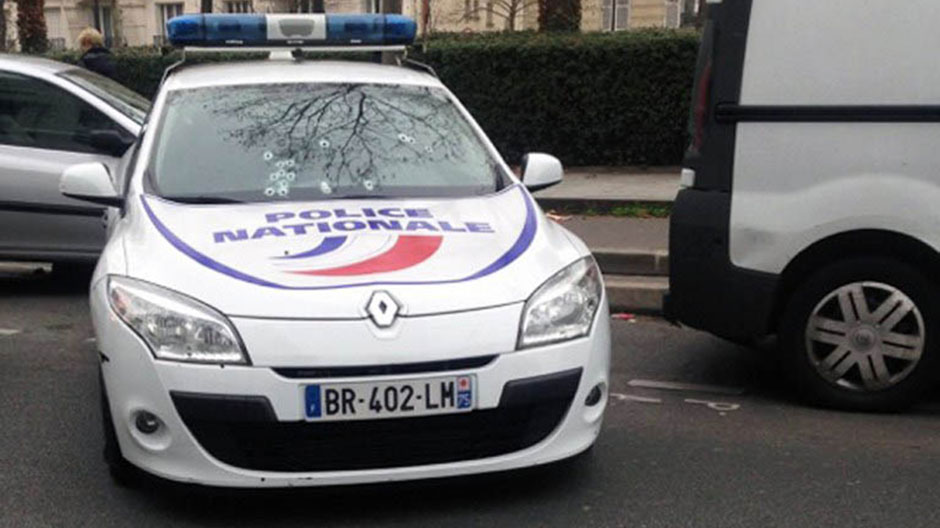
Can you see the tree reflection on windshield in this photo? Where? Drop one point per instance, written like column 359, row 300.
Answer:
column 338, row 139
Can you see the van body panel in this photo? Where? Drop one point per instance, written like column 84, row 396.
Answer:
column 798, row 183
column 822, row 118
column 842, row 52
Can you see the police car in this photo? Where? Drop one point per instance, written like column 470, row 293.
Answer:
column 324, row 273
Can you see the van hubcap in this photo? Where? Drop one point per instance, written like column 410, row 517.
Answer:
column 865, row 336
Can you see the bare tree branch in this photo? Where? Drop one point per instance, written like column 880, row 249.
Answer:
column 507, row 10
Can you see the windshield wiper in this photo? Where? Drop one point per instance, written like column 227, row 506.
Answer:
column 361, row 196
column 203, row 199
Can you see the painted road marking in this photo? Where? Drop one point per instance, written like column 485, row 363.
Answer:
column 8, row 331
column 631, row 397
column 690, row 387
column 721, row 407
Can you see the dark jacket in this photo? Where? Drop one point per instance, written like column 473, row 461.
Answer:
column 99, row 61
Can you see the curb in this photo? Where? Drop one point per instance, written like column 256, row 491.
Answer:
column 636, row 294
column 584, row 204
column 616, row 261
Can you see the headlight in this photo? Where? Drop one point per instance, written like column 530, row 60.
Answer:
column 174, row 326
column 564, row 307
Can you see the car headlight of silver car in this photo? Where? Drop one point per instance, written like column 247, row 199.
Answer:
column 563, row 307
column 175, row 327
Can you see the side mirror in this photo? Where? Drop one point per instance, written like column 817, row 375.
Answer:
column 110, row 141
column 541, row 171
column 90, row 182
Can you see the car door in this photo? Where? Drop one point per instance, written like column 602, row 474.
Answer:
column 43, row 130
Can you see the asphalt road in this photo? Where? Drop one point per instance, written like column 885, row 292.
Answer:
column 751, row 458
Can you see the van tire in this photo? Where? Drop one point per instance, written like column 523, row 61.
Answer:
column 873, row 360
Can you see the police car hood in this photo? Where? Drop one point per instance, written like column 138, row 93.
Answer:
column 326, row 259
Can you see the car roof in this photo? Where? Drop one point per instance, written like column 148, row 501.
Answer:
column 274, row 71
column 36, row 65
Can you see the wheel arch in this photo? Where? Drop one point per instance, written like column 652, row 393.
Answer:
column 860, row 243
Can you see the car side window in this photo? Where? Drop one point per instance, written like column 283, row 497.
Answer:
column 37, row 114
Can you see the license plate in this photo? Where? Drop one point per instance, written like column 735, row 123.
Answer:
column 393, row 399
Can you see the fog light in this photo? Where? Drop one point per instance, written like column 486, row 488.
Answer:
column 146, row 422
column 594, row 396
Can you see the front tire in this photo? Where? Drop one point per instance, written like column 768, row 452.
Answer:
column 860, row 335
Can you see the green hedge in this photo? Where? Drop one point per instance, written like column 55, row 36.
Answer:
column 590, row 99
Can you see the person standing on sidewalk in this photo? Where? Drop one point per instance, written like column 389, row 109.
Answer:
column 95, row 57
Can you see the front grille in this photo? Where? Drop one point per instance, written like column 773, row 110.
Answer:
column 528, row 412
column 385, row 370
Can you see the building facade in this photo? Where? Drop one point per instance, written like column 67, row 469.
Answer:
column 143, row 22
column 500, row 15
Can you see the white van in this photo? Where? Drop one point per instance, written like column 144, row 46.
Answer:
column 811, row 200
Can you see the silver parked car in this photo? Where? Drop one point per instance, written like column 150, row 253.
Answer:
column 52, row 116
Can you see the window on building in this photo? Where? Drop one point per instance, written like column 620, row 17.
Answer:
column 622, row 15
column 36, row 114
column 105, row 25
column 56, row 34
column 238, row 6
column 309, row 6
column 616, row 15
column 54, row 23
column 164, row 13
column 673, row 14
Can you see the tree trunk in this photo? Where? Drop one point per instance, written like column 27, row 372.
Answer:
column 511, row 15
column 3, row 26
column 559, row 15
column 425, row 17
column 31, row 26
column 205, row 6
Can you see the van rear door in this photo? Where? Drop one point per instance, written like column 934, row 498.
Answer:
column 718, row 76
column 706, row 291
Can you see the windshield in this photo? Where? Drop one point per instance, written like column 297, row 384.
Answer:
column 122, row 98
column 275, row 142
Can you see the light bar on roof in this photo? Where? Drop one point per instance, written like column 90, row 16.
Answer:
column 290, row 30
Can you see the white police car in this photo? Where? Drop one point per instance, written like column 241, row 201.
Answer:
column 324, row 273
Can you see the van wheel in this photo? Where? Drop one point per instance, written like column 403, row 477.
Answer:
column 860, row 335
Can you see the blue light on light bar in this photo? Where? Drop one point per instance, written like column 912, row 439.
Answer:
column 213, row 30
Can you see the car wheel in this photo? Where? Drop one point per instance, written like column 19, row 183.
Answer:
column 860, row 335
column 122, row 472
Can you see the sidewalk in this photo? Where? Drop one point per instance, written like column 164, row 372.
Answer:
column 632, row 252
column 633, row 255
column 614, row 184
column 624, row 233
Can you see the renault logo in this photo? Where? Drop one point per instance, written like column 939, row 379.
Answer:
column 383, row 309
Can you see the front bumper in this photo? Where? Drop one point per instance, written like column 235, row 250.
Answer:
column 527, row 414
